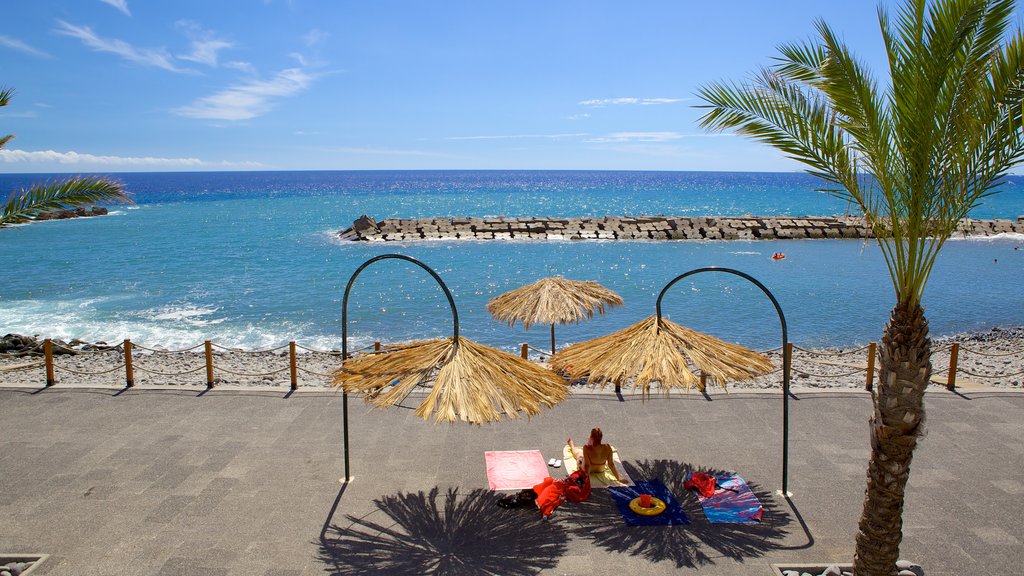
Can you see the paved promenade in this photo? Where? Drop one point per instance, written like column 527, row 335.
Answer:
column 186, row 482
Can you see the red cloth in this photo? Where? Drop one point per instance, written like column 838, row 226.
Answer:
column 550, row 495
column 702, row 482
column 577, row 487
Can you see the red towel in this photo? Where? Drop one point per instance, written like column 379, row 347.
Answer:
column 550, row 495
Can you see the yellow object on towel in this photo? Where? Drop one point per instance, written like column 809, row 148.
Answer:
column 603, row 478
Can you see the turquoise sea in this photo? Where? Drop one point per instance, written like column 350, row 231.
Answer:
column 249, row 259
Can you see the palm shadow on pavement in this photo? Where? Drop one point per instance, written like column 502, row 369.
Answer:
column 696, row 544
column 442, row 534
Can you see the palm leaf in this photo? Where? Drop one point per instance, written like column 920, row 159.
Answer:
column 60, row 195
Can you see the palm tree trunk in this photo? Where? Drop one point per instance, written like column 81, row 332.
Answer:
column 905, row 368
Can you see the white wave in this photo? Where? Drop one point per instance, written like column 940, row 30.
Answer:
column 187, row 314
column 746, row 253
column 1001, row 237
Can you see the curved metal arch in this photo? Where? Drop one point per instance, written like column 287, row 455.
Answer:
column 785, row 353
column 344, row 328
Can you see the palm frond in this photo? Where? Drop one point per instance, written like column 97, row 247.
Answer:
column 917, row 155
column 61, row 195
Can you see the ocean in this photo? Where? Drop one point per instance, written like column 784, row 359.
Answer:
column 250, row 260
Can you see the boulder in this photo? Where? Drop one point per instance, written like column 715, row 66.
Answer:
column 364, row 223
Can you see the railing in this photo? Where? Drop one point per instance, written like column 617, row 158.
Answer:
column 955, row 358
column 814, row 360
column 130, row 364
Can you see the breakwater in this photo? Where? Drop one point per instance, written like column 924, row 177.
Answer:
column 636, row 228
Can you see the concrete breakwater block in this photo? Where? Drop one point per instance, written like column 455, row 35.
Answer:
column 366, row 229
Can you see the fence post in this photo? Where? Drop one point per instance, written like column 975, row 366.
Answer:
column 376, row 346
column 129, row 373
column 703, row 381
column 292, row 365
column 525, row 351
column 787, row 357
column 871, row 367
column 48, row 355
column 209, row 364
column 954, row 352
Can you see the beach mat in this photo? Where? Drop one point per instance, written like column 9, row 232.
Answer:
column 732, row 502
column 674, row 515
column 515, row 470
column 600, row 478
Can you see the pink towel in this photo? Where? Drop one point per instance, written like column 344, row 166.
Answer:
column 515, row 470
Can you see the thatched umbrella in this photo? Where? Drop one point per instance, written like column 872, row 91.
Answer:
column 467, row 381
column 552, row 301
column 658, row 350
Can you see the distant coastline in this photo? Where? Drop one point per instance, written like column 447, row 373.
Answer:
column 367, row 229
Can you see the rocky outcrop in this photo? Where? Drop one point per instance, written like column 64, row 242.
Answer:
column 636, row 228
column 76, row 213
column 18, row 345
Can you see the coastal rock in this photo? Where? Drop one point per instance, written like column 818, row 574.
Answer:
column 18, row 344
column 76, row 213
column 364, row 223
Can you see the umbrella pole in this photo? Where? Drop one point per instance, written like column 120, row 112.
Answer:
column 552, row 339
column 785, row 356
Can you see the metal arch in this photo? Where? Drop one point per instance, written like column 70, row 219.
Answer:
column 785, row 354
column 344, row 328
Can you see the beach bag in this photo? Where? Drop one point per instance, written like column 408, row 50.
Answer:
column 703, row 483
column 577, row 487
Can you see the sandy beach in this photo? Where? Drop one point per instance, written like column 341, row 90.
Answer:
column 992, row 359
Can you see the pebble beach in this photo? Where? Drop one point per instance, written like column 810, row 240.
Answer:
column 998, row 355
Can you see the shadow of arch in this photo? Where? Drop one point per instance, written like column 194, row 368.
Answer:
column 696, row 544
column 430, row 533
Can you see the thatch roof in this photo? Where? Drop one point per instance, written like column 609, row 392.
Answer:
column 643, row 354
column 552, row 301
column 473, row 383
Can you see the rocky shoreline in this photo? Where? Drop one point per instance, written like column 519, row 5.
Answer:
column 74, row 213
column 366, row 229
column 999, row 353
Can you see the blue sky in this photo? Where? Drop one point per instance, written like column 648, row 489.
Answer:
column 133, row 85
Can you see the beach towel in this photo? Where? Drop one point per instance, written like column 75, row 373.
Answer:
column 732, row 502
column 515, row 470
column 598, row 478
column 674, row 515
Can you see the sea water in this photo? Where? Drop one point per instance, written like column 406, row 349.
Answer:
column 251, row 259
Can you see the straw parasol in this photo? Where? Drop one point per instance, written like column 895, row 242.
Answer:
column 552, row 301
column 659, row 351
column 468, row 381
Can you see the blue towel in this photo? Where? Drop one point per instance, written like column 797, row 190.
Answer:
column 672, row 516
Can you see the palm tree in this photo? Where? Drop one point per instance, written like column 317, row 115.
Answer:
column 55, row 195
column 916, row 153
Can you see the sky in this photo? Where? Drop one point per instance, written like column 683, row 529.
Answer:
column 146, row 85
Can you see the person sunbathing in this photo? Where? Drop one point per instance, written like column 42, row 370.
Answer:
column 595, row 456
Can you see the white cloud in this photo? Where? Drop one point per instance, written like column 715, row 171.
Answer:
column 244, row 67
column 248, row 100
column 15, row 44
column 519, row 137
column 617, row 137
column 146, row 56
column 121, row 5
column 314, row 37
column 204, row 43
column 78, row 159
column 601, row 102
